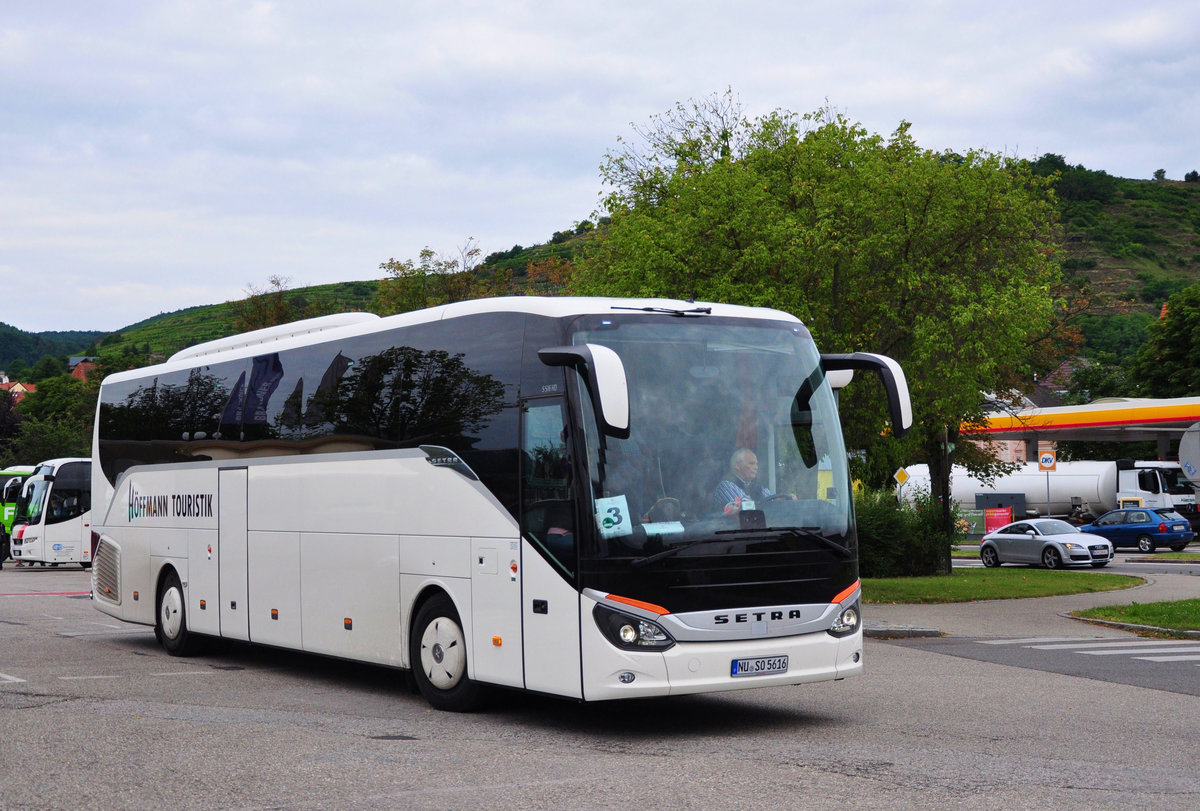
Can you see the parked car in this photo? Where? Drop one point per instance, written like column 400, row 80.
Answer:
column 1046, row 541
column 1145, row 528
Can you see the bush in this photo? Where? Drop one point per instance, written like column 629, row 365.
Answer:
column 897, row 540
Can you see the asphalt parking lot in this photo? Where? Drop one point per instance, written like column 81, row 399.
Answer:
column 94, row 714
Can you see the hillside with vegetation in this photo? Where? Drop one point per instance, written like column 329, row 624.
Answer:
column 30, row 347
column 1129, row 245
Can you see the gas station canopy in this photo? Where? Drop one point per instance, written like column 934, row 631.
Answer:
column 1112, row 419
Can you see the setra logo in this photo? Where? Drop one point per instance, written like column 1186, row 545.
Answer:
column 757, row 616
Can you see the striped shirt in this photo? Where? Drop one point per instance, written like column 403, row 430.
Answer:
column 734, row 488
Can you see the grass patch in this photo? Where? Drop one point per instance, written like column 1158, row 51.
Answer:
column 1180, row 615
column 1005, row 583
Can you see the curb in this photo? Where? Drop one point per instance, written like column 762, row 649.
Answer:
column 881, row 630
column 1129, row 626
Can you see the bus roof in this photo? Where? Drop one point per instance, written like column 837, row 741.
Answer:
column 350, row 325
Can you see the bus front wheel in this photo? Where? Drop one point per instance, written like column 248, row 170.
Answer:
column 171, row 626
column 438, row 656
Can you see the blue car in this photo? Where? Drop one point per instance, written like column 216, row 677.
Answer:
column 1145, row 528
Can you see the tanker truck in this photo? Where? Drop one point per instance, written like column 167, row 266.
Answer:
column 1080, row 491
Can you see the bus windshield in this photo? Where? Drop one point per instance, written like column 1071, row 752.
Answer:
column 734, row 449
column 30, row 502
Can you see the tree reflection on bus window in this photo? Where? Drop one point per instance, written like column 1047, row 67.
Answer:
column 548, row 513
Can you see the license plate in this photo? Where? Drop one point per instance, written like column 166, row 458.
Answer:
column 758, row 666
column 1179, row 527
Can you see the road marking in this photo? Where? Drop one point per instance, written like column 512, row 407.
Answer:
column 1152, row 649
column 1116, row 643
column 45, row 594
column 85, row 678
column 1034, row 640
column 1146, row 650
column 116, row 631
column 184, row 673
column 8, row 678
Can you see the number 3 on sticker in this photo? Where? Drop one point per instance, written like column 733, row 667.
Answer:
column 612, row 517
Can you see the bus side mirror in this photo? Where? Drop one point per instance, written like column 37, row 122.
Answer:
column 890, row 374
column 605, row 375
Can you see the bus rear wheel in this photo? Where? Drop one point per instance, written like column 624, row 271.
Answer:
column 171, row 625
column 438, row 656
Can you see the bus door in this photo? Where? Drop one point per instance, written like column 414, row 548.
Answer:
column 549, row 559
column 231, row 559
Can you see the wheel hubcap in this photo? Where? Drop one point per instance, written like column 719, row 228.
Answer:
column 443, row 653
column 172, row 602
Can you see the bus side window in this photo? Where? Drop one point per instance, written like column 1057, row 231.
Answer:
column 547, row 511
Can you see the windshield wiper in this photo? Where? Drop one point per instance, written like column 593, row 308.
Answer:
column 812, row 533
column 673, row 550
column 769, row 534
column 669, row 311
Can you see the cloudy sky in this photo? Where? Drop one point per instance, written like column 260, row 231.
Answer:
column 160, row 155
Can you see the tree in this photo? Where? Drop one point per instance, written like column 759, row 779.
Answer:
column 56, row 420
column 1168, row 364
column 1192, row 177
column 947, row 262
column 10, row 426
column 1160, row 174
column 48, row 366
column 18, row 370
column 272, row 305
column 548, row 276
column 433, row 280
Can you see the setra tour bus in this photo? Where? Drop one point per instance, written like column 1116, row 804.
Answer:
column 52, row 524
column 518, row 492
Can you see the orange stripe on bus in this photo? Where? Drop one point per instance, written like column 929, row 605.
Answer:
column 657, row 609
column 853, row 587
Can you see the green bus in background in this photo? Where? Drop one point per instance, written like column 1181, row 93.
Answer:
column 11, row 481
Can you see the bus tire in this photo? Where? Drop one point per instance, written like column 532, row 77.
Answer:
column 170, row 627
column 438, row 656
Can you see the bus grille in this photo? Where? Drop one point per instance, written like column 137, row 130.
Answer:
column 106, row 572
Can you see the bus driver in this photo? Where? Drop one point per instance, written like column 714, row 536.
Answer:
column 739, row 484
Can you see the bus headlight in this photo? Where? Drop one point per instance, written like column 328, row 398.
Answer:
column 631, row 633
column 846, row 622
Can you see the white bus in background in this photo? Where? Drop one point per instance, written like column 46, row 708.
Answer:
column 52, row 524
column 512, row 492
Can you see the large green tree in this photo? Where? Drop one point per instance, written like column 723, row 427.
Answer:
column 1168, row 364
column 944, row 261
column 56, row 420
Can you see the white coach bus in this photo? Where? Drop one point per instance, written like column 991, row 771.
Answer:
column 52, row 524
column 514, row 492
